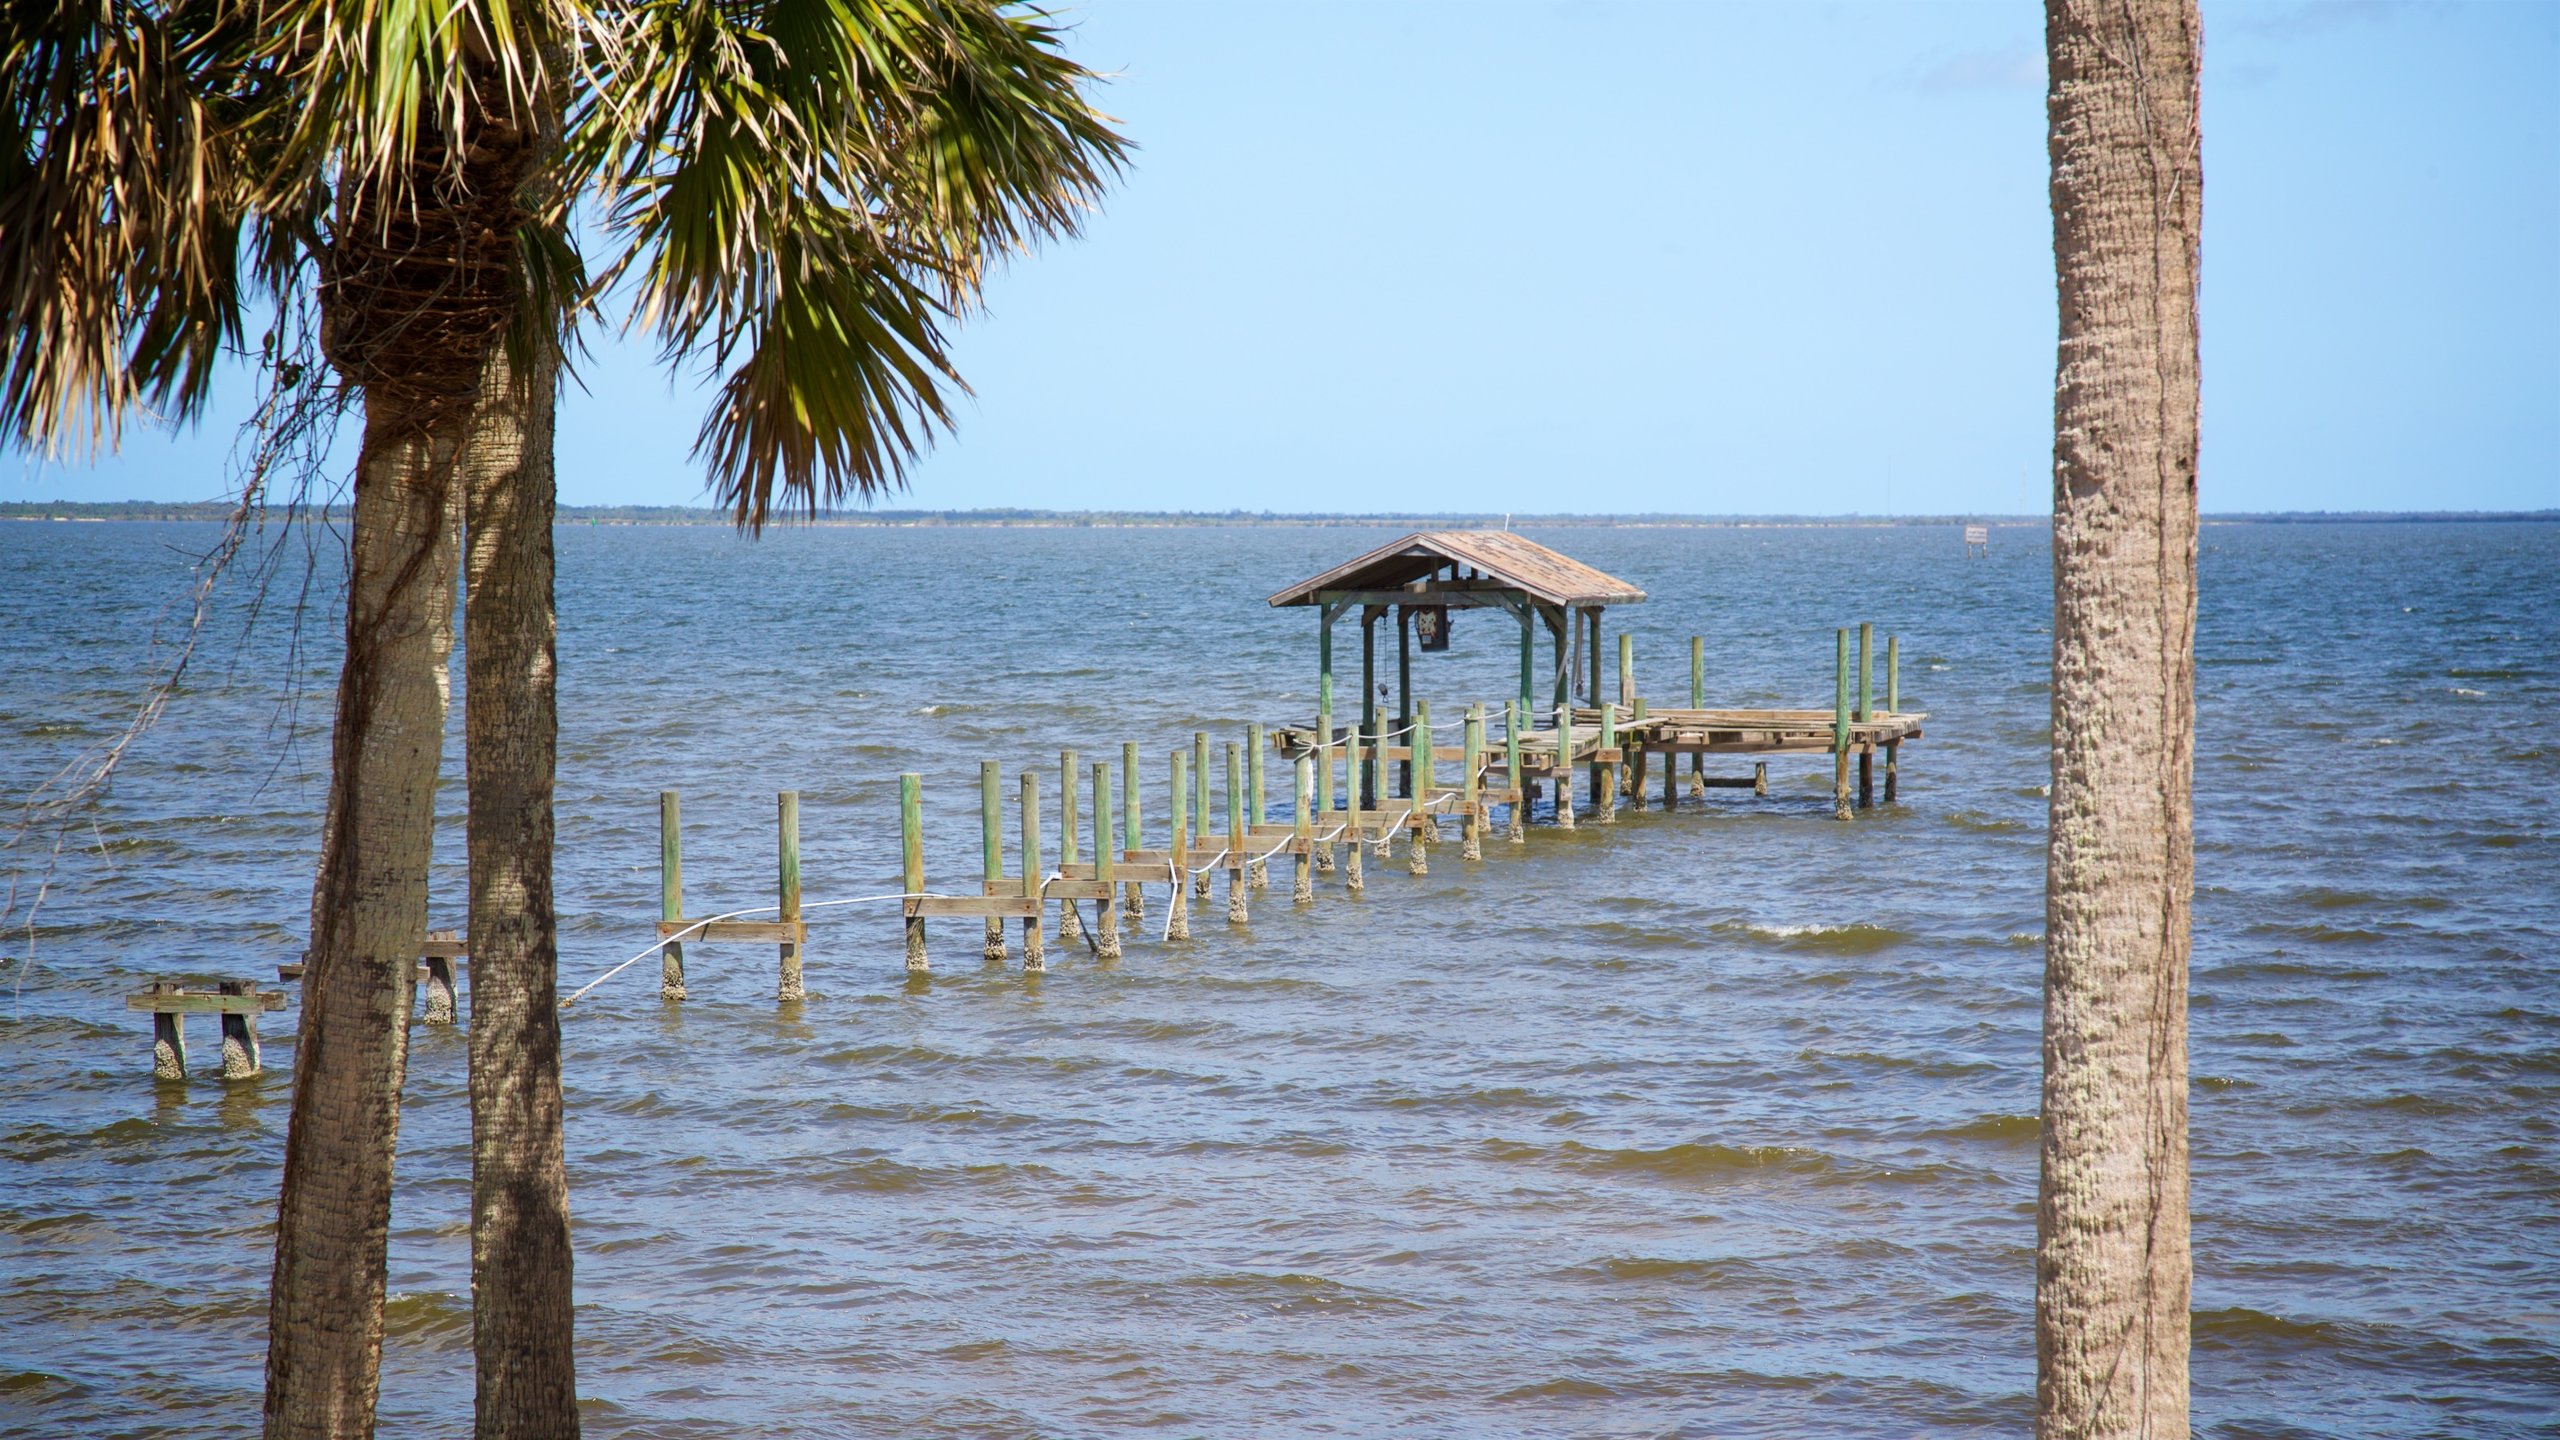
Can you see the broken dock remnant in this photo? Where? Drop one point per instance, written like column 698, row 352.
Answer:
column 236, row 1003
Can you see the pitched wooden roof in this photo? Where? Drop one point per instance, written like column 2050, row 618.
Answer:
column 1498, row 555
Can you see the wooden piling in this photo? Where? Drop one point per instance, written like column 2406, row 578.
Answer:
column 1324, row 774
column 670, row 894
column 1417, row 850
column 1035, row 955
column 1638, row 761
column 1866, row 713
column 1697, row 701
column 1564, row 767
column 1626, row 667
column 1070, row 920
column 1840, row 730
column 911, row 855
column 1471, row 788
column 1106, row 909
column 1760, row 777
column 1202, row 827
column 1512, row 717
column 1133, row 894
column 1605, row 772
column 1892, row 706
column 1351, row 762
column 1378, row 762
column 786, row 806
column 1178, row 918
column 1254, row 816
column 239, row 1033
column 1304, row 892
column 436, row 955
column 991, row 846
column 168, row 1038
column 1237, row 881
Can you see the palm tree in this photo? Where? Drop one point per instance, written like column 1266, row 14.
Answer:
column 810, row 226
column 2112, row 1266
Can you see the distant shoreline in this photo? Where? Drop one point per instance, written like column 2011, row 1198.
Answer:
column 211, row 510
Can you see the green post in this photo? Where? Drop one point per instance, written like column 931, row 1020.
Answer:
column 911, row 853
column 1697, row 672
column 1202, row 826
column 1626, row 667
column 1840, row 729
column 1256, row 811
column 1471, row 789
column 1324, row 769
column 1178, row 918
column 1133, row 896
column 1106, row 911
column 787, row 883
column 1512, row 710
column 1034, row 954
column 1303, row 892
column 1237, row 881
column 991, row 845
column 1892, row 706
column 1528, row 653
column 1866, row 713
column 1418, row 791
column 1606, row 771
column 670, row 894
column 1070, row 921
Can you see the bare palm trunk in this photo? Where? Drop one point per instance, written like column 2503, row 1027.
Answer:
column 368, row 916
column 2112, row 1267
column 418, row 283
column 520, row 1257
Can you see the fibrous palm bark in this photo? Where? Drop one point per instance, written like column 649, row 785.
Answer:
column 2112, row 1266
column 520, row 1256
column 420, row 282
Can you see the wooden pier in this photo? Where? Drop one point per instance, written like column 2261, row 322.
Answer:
column 1354, row 788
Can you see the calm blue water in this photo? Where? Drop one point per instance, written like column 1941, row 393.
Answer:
column 1716, row 1122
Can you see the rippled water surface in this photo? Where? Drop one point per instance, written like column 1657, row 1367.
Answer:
column 1716, row 1122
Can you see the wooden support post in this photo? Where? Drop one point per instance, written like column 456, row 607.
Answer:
column 1304, row 892
column 670, row 894
column 1035, row 955
column 991, row 846
column 911, row 857
column 1133, row 896
column 1351, row 762
column 1471, row 787
column 1642, row 757
column 168, row 1038
column 1378, row 789
column 1564, row 767
column 1840, row 731
column 1404, row 685
column 1201, row 826
column 1760, row 777
column 1528, row 653
column 1178, row 918
column 1368, row 681
column 1514, row 715
column 440, row 1007
column 1070, row 920
column 1106, row 909
column 1253, row 742
column 786, row 806
column 1626, row 667
column 1417, row 851
column 1237, row 881
column 1605, row 772
column 1670, row 781
column 1698, row 701
column 1866, row 714
column 1324, row 772
column 239, row 1033
column 1892, row 706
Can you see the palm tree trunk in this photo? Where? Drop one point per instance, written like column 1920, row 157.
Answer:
column 2112, row 1266
column 520, row 1257
column 368, row 917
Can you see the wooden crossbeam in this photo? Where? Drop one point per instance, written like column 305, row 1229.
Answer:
column 768, row 932
column 205, row 1002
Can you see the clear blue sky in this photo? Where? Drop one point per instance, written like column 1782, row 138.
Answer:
column 1702, row 258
